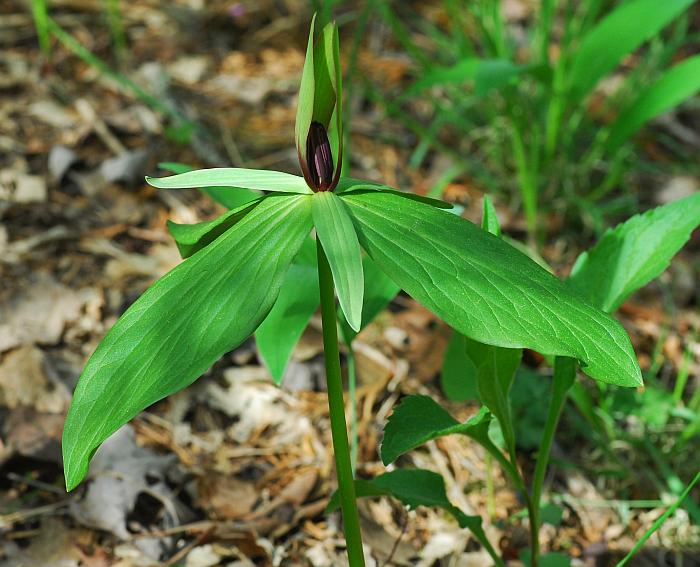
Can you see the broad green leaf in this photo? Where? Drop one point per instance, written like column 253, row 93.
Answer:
column 458, row 377
column 618, row 34
column 298, row 300
column 635, row 252
column 348, row 185
column 464, row 357
column 485, row 289
column 182, row 324
column 551, row 559
column 676, row 85
column 380, row 289
column 335, row 230
column 414, row 488
column 191, row 238
column 419, row 419
column 234, row 178
column 222, row 195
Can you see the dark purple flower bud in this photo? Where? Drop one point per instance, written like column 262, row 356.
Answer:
column 319, row 158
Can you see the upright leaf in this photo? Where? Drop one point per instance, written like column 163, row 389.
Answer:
column 458, row 376
column 380, row 289
column 419, row 419
column 336, row 232
column 182, row 324
column 485, row 289
column 676, row 85
column 235, row 178
column 634, row 253
column 618, row 34
column 298, row 300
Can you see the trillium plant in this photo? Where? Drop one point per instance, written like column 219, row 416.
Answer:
column 239, row 265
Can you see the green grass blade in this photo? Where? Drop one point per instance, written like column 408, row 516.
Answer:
column 676, row 85
column 618, row 34
column 659, row 522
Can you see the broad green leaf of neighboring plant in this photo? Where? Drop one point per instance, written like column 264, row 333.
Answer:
column 191, row 238
column 414, row 488
column 298, row 300
column 182, row 324
column 485, row 289
column 618, row 34
column 380, row 289
column 635, row 252
column 419, row 419
column 335, row 230
column 676, row 85
column 222, row 195
column 234, row 178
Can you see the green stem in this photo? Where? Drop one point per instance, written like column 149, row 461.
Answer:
column 352, row 394
column 564, row 376
column 336, row 405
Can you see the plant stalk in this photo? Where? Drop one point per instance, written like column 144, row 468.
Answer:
column 564, row 376
column 336, row 405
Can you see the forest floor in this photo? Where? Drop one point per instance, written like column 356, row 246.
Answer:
column 234, row 470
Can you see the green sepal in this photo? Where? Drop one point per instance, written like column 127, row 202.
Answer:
column 320, row 93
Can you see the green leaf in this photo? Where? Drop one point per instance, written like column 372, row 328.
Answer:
column 380, row 289
column 489, row 218
column 235, row 178
column 635, row 252
column 305, row 104
column 414, row 488
column 465, row 357
column 298, row 300
column 618, row 34
column 676, row 85
column 419, row 419
column 336, row 232
column 348, row 185
column 182, row 324
column 496, row 368
column 485, row 289
column 222, row 195
column 458, row 377
column 191, row 238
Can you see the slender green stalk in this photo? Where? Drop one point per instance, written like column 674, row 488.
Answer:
column 41, row 23
column 564, row 376
column 352, row 395
column 116, row 28
column 336, row 404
